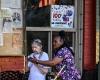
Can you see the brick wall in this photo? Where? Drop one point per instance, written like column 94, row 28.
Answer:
column 12, row 63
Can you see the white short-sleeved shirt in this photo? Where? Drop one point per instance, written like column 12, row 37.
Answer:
column 35, row 73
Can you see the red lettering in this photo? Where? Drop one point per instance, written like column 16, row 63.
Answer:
column 56, row 15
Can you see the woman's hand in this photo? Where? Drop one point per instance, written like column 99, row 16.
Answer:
column 52, row 62
column 30, row 59
column 33, row 60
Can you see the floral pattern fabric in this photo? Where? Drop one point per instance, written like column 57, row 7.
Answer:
column 70, row 72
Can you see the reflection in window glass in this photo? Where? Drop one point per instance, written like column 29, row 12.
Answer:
column 38, row 11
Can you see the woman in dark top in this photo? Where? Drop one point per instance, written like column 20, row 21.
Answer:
column 62, row 56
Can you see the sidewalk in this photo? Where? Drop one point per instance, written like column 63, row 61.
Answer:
column 90, row 75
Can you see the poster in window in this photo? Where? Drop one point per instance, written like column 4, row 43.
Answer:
column 1, row 39
column 1, row 21
column 14, row 15
column 7, row 25
column 62, row 16
column 17, row 40
column 16, row 18
column 5, row 20
column 11, row 3
column 5, row 12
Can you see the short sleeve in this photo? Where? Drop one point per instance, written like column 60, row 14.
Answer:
column 44, row 57
column 29, row 64
column 61, row 53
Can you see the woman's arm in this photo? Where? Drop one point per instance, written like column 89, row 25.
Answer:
column 43, row 69
column 53, row 62
column 26, row 65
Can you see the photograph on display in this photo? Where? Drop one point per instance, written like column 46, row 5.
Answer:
column 1, row 39
column 10, row 18
column 11, row 40
column 5, row 20
column 16, row 18
column 37, row 12
column 7, row 25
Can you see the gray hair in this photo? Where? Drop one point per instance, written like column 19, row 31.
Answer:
column 37, row 41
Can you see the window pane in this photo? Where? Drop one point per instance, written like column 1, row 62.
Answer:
column 38, row 11
column 68, row 38
column 97, row 14
column 43, row 36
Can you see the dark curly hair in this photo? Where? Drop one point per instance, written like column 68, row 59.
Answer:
column 65, row 44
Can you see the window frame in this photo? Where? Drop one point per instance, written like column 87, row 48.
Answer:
column 77, row 31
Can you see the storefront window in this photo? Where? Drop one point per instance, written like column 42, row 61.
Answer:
column 97, row 31
column 43, row 36
column 38, row 12
column 38, row 20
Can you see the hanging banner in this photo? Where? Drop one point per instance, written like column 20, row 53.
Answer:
column 62, row 16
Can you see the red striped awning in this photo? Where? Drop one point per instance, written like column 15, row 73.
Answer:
column 46, row 2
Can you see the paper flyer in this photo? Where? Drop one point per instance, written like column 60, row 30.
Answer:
column 11, row 3
column 1, row 39
column 62, row 16
column 7, row 25
column 17, row 40
column 17, row 18
column 10, row 18
column 5, row 12
column 1, row 25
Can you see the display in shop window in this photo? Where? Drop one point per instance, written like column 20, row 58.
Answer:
column 10, row 18
column 12, row 43
column 11, row 3
column 62, row 16
column 1, row 39
column 37, row 12
column 17, row 40
column 16, row 18
column 7, row 28
column 1, row 21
